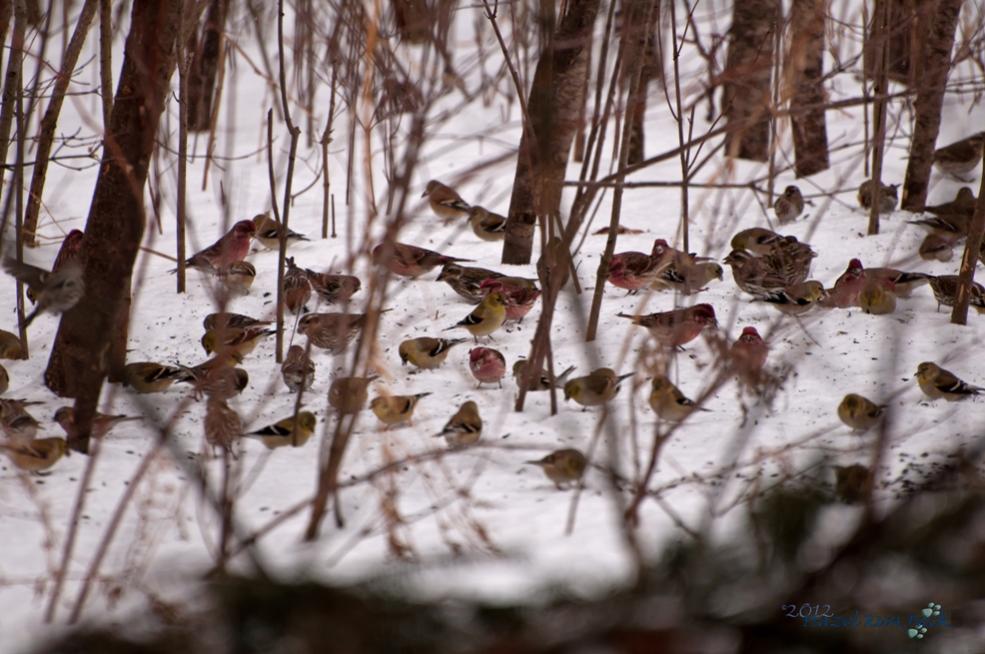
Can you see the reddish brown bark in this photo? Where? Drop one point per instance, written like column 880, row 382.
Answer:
column 203, row 71
column 805, row 70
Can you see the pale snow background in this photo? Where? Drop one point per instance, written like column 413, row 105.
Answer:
column 168, row 536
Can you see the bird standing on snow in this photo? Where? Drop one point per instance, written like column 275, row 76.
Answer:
column 298, row 370
column 936, row 382
column 860, row 413
column 445, row 201
column 789, row 205
column 426, row 353
column 676, row 327
column 563, row 467
column 485, row 318
column 395, row 409
column 268, row 231
column 231, row 247
column 487, row 365
column 668, row 402
column 487, row 225
column 595, row 388
column 409, row 260
column 464, row 428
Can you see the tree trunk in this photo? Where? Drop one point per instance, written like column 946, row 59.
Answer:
column 972, row 252
column 805, row 70
column 80, row 357
column 203, row 71
column 641, row 46
column 413, row 20
column 930, row 98
column 746, row 98
column 556, row 94
column 907, row 19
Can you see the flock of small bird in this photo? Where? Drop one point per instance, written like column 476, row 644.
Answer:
column 770, row 267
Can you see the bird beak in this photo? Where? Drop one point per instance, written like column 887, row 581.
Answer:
column 424, row 194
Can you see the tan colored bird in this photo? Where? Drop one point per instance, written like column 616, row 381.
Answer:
column 217, row 380
column 269, row 230
column 17, row 424
column 445, row 201
column 333, row 288
column 564, row 467
column 298, row 370
column 38, row 455
column 464, row 428
column 297, row 288
column 875, row 299
column 595, row 388
column 958, row 159
column 150, row 377
column 409, row 260
column 762, row 275
column 238, row 341
column 935, row 247
column 427, row 353
column 668, row 402
column 789, row 206
column 936, row 382
column 10, row 346
column 485, row 318
column 859, row 412
column 677, row 327
column 4, row 380
column 283, row 432
column 542, row 381
column 395, row 409
column 101, row 424
column 226, row 320
column 888, row 196
column 757, row 240
column 223, row 426
column 236, row 278
column 487, row 225
column 467, row 281
column 348, row 395
column 797, row 299
column 331, row 331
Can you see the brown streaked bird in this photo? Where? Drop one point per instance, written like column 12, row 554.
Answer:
column 554, row 260
column 238, row 341
column 425, row 352
column 222, row 426
column 958, row 159
column 888, row 196
column 542, row 381
column 487, row 225
column 236, row 278
column 445, row 201
column 464, row 428
column 150, row 377
column 38, row 455
column 409, row 260
column 232, row 321
column 70, row 251
column 395, row 409
column 487, row 365
column 467, row 281
column 298, row 370
column 56, row 292
column 218, row 380
column 677, row 327
column 789, row 206
column 564, row 467
column 333, row 288
column 761, row 275
column 945, row 288
column 101, row 424
column 10, row 346
column 348, row 395
column 595, row 388
column 297, row 288
column 936, row 382
column 269, row 230
column 859, row 412
column 331, row 331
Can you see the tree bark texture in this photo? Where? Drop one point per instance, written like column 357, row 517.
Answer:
column 413, row 20
column 908, row 20
column 805, row 73
column 641, row 45
column 748, row 65
column 930, row 99
column 972, row 253
column 115, row 226
column 553, row 108
column 204, row 67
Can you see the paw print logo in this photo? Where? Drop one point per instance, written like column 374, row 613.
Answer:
column 916, row 632
column 932, row 609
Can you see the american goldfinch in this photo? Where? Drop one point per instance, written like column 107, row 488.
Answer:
column 595, row 388
column 748, row 354
column 231, row 247
column 219, row 381
column 676, row 327
column 846, row 288
column 333, row 288
column 851, row 483
column 298, row 370
column 519, row 294
column 18, row 425
column 542, row 381
column 10, row 346
column 797, row 299
column 283, row 432
column 563, row 467
column 37, row 455
column 668, row 402
column 487, row 225
column 409, row 260
column 426, row 353
column 331, row 331
column 348, row 395
column 935, row 247
column 757, row 240
column 900, row 282
column 56, row 292
column 269, row 230
column 70, row 251
column 945, row 289
column 467, row 281
column 297, row 288
column 487, row 365
column 789, row 206
column 231, row 321
column 464, row 428
column 223, row 426
column 958, row 159
column 445, row 201
column 4, row 380
column 241, row 341
column 875, row 299
column 860, row 413
column 888, row 196
column 236, row 278
column 936, row 382
column 395, row 409
column 101, row 424
column 485, row 318
column 150, row 377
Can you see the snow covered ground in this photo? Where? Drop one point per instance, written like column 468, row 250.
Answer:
column 483, row 503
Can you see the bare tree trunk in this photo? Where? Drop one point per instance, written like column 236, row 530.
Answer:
column 12, row 80
column 930, row 99
column 204, row 66
column 972, row 250
column 642, row 47
column 805, row 73
column 907, row 18
column 880, row 88
column 556, row 95
column 746, row 98
column 115, row 227
column 413, row 20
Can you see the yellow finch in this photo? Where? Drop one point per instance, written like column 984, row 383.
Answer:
column 427, row 353
column 37, row 455
column 596, row 388
column 331, row 331
column 348, row 395
column 269, row 229
column 238, row 341
column 487, row 225
column 668, row 402
column 540, row 382
column 875, row 299
column 237, row 277
column 150, row 377
column 395, row 409
column 796, row 299
column 231, row 321
column 283, row 432
column 860, row 413
column 485, row 318
column 464, row 428
column 298, row 370
column 333, row 288
column 936, row 382
column 563, row 467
